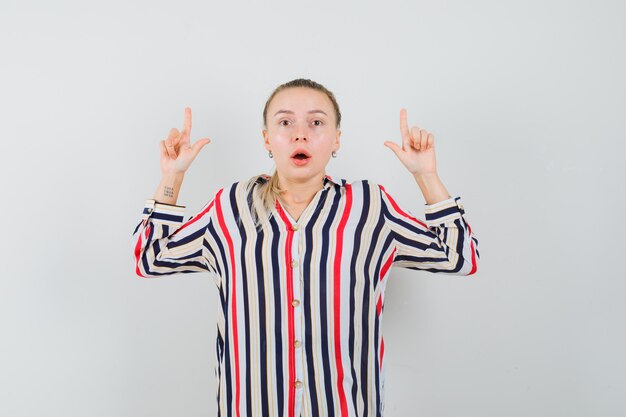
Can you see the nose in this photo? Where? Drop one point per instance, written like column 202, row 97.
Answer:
column 301, row 134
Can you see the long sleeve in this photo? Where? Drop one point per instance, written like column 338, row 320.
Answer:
column 164, row 245
column 444, row 242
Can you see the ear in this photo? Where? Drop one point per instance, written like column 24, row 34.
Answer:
column 266, row 139
column 337, row 143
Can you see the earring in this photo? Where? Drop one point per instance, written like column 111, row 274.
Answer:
column 334, row 154
column 270, row 154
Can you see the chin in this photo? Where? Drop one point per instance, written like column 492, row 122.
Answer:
column 303, row 173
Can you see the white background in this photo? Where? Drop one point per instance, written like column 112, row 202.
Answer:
column 527, row 104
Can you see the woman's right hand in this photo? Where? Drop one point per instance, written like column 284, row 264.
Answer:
column 177, row 153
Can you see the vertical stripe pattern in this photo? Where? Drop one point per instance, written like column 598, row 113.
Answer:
column 299, row 326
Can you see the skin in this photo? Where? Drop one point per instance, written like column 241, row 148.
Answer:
column 309, row 123
column 177, row 154
column 417, row 154
column 302, row 117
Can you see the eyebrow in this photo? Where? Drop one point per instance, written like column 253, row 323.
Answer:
column 290, row 112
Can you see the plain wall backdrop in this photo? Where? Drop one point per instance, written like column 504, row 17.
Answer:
column 527, row 104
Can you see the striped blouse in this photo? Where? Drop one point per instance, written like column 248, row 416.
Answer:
column 299, row 320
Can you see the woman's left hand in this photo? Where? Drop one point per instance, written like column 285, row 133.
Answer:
column 417, row 153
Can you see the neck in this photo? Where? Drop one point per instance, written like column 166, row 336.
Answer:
column 300, row 191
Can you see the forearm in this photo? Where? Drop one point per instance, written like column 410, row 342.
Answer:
column 432, row 188
column 168, row 189
column 162, row 246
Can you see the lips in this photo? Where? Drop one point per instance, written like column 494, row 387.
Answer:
column 300, row 157
column 301, row 154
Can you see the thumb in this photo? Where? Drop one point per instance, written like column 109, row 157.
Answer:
column 394, row 147
column 197, row 147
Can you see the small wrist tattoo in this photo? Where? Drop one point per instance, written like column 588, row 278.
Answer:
column 168, row 191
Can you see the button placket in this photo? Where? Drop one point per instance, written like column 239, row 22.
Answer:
column 296, row 237
column 296, row 304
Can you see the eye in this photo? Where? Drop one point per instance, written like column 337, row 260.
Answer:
column 284, row 122
column 317, row 122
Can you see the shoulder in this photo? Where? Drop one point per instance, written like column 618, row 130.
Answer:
column 358, row 189
column 245, row 184
column 362, row 184
column 242, row 189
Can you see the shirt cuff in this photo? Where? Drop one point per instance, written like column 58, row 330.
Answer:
column 445, row 211
column 163, row 213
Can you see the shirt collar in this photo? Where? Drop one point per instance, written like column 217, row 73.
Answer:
column 328, row 182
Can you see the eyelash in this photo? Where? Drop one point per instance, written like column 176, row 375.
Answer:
column 314, row 121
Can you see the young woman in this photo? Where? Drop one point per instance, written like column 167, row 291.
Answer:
column 301, row 260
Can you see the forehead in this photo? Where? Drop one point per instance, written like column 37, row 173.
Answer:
column 300, row 99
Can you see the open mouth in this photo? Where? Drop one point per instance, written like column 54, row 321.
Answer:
column 300, row 157
column 301, row 154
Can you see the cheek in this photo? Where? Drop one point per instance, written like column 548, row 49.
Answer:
column 324, row 141
column 323, row 152
column 278, row 140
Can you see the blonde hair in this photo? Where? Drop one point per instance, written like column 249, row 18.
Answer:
column 265, row 194
column 263, row 197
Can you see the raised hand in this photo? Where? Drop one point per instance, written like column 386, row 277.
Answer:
column 417, row 153
column 177, row 153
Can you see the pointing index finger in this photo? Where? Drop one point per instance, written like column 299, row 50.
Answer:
column 187, row 123
column 404, row 128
